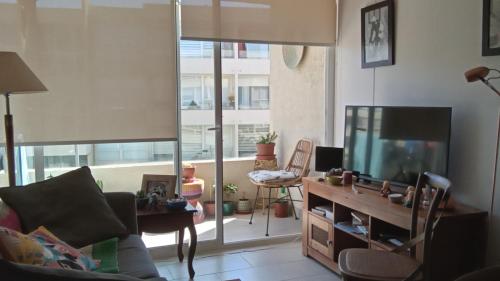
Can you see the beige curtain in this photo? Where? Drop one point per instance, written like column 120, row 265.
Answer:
column 298, row 22
column 109, row 67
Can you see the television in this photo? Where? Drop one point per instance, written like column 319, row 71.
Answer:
column 396, row 143
column 328, row 158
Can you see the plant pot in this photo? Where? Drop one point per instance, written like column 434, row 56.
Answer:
column 243, row 206
column 228, row 208
column 265, row 149
column 281, row 209
column 210, row 208
column 141, row 203
column 188, row 172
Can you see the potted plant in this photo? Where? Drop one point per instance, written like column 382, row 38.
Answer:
column 281, row 208
column 210, row 205
column 243, row 206
column 141, row 199
column 229, row 189
column 265, row 146
column 188, row 171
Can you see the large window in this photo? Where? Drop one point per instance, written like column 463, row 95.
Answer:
column 201, row 49
column 198, row 92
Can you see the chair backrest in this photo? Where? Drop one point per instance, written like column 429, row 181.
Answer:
column 301, row 157
column 442, row 188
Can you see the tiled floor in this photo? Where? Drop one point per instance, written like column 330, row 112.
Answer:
column 236, row 228
column 274, row 263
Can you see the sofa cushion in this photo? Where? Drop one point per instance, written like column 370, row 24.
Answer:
column 71, row 206
column 134, row 259
column 9, row 217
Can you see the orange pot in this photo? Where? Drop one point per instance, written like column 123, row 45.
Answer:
column 265, row 149
column 281, row 209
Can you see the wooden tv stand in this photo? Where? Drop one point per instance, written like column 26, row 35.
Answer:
column 458, row 247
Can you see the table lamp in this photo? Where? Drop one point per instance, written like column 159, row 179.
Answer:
column 15, row 78
column 483, row 74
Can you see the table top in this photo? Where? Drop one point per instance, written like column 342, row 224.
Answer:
column 164, row 211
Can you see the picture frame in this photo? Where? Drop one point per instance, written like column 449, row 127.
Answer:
column 164, row 185
column 377, row 35
column 491, row 27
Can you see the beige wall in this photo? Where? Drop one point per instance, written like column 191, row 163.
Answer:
column 297, row 101
column 436, row 41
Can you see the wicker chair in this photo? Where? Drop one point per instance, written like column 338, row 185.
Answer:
column 299, row 165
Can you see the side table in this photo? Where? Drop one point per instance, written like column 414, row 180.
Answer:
column 164, row 220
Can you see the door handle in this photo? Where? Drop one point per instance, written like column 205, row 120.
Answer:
column 214, row 128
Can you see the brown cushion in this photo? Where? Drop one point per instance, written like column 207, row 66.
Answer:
column 71, row 206
column 375, row 265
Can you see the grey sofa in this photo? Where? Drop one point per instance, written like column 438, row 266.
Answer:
column 134, row 260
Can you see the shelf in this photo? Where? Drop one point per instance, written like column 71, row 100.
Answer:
column 344, row 228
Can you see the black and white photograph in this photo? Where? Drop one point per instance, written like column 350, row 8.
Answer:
column 377, row 24
column 491, row 27
column 161, row 185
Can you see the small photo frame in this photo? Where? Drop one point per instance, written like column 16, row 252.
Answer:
column 377, row 34
column 491, row 27
column 163, row 185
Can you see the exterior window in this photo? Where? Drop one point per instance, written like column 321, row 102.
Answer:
column 253, row 51
column 253, row 92
column 201, row 49
column 198, row 143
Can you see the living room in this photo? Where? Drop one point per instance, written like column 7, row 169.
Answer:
column 155, row 88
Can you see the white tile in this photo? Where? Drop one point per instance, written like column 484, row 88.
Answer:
column 208, row 277
column 323, row 277
column 276, row 255
column 209, row 265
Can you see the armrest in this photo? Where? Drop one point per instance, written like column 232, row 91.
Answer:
column 13, row 272
column 123, row 203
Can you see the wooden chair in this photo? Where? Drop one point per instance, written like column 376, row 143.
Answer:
column 299, row 165
column 374, row 265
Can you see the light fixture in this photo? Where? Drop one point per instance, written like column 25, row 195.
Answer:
column 15, row 78
column 481, row 74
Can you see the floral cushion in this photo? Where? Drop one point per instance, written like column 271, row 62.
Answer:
column 41, row 247
column 9, row 218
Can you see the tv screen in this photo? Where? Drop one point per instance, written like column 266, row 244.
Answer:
column 396, row 143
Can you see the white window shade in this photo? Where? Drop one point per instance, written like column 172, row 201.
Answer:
column 302, row 22
column 110, row 70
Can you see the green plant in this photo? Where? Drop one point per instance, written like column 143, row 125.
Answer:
column 100, row 184
column 230, row 188
column 140, row 194
column 268, row 138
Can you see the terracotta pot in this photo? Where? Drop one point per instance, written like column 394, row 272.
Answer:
column 188, row 172
column 210, row 208
column 281, row 209
column 266, row 157
column 265, row 149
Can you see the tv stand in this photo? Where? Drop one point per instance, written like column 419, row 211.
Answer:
column 459, row 241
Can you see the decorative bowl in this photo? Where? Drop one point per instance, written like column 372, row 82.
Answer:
column 396, row 198
column 334, row 180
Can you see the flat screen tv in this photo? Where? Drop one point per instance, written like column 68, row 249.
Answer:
column 396, row 143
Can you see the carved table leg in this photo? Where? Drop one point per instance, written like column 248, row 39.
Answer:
column 179, row 246
column 192, row 248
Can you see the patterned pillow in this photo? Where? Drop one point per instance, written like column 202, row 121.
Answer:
column 41, row 247
column 9, row 218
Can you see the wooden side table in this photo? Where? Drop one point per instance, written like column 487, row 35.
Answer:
column 164, row 220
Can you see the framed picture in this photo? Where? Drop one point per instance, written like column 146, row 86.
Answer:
column 491, row 27
column 163, row 185
column 377, row 34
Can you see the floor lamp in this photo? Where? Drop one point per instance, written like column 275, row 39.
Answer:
column 483, row 74
column 15, row 78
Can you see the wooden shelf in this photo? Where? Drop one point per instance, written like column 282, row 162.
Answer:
column 355, row 235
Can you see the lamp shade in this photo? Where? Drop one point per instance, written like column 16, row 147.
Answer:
column 16, row 77
column 476, row 74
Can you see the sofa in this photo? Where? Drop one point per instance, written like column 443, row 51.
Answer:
column 133, row 258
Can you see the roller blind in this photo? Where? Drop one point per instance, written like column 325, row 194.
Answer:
column 109, row 66
column 303, row 22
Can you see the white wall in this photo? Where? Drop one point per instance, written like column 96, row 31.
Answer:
column 436, row 41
